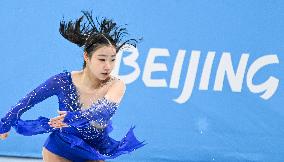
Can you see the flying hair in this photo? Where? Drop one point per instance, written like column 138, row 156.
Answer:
column 91, row 33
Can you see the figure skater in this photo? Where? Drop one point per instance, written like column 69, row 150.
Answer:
column 87, row 98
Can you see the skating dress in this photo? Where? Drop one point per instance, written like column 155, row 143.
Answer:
column 86, row 137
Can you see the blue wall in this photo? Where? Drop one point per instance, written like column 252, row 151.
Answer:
column 206, row 84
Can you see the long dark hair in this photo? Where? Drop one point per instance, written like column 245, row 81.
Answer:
column 91, row 35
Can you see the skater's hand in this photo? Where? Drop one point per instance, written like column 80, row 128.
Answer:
column 57, row 122
column 4, row 136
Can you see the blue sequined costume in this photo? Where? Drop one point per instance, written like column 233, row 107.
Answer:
column 86, row 138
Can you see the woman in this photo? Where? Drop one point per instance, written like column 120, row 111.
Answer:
column 87, row 99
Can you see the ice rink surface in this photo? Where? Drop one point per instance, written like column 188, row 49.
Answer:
column 18, row 159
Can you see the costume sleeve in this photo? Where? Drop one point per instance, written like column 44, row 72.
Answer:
column 98, row 115
column 49, row 88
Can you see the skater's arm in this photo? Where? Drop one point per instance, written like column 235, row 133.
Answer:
column 49, row 88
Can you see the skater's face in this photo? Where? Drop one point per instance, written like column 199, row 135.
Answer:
column 101, row 62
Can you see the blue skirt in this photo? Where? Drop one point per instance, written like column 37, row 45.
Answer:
column 73, row 148
column 69, row 143
column 60, row 147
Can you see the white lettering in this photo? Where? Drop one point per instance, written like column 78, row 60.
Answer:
column 129, row 61
column 206, row 72
column 177, row 69
column 226, row 67
column 270, row 85
column 150, row 67
column 190, row 78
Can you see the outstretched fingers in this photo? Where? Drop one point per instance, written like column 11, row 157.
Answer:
column 57, row 122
